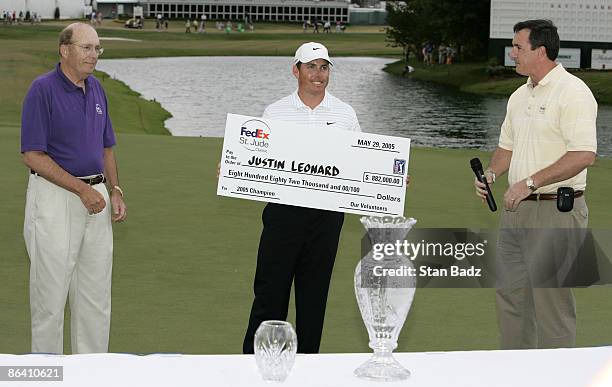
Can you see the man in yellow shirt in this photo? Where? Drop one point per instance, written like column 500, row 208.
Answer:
column 547, row 140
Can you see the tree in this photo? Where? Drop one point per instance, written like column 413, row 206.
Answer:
column 56, row 14
column 406, row 28
column 463, row 23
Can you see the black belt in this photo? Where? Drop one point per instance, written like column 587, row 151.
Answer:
column 89, row 180
column 577, row 194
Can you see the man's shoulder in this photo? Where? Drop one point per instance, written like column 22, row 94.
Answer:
column 337, row 104
column 573, row 83
column 44, row 81
column 281, row 103
column 282, row 106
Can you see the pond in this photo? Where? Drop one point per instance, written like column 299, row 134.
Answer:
column 200, row 91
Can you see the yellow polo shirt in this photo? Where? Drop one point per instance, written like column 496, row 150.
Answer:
column 545, row 121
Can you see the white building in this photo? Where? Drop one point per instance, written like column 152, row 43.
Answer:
column 257, row 10
column 69, row 9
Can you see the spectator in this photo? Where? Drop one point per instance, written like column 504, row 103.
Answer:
column 327, row 27
column 316, row 26
column 187, row 26
column 442, row 53
column 450, row 54
column 429, row 49
column 202, row 28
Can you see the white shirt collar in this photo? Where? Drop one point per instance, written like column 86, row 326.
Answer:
column 298, row 103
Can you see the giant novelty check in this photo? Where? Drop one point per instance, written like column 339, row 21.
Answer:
column 324, row 168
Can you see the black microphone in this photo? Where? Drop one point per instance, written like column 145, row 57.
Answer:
column 477, row 168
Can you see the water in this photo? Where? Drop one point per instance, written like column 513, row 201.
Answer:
column 200, row 91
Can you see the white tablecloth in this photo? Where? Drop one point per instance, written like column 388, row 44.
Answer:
column 578, row 367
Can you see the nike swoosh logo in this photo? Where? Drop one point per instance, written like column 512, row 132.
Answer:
column 330, row 123
column 315, row 48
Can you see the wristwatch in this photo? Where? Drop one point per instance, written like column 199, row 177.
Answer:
column 530, row 184
column 490, row 172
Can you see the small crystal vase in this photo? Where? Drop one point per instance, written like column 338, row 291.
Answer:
column 275, row 349
column 384, row 301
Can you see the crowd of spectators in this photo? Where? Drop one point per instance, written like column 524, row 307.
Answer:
column 13, row 17
column 441, row 54
column 327, row 26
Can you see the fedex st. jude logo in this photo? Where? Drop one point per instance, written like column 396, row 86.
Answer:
column 255, row 135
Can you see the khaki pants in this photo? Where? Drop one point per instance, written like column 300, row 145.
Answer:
column 536, row 249
column 70, row 256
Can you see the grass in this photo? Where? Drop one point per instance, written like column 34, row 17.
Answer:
column 185, row 259
column 472, row 78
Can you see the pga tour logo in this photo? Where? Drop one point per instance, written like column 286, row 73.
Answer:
column 255, row 135
column 399, row 166
column 98, row 109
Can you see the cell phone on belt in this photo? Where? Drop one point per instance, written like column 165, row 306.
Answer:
column 565, row 199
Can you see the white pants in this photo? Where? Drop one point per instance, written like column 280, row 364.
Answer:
column 71, row 255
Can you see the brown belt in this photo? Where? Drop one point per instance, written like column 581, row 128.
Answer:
column 91, row 180
column 577, row 194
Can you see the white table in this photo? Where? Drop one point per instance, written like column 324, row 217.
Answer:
column 589, row 367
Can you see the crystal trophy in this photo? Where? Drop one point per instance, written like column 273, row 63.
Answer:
column 384, row 301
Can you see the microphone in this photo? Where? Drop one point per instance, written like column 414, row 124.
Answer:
column 477, row 168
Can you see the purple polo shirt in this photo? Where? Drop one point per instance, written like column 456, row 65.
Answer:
column 72, row 127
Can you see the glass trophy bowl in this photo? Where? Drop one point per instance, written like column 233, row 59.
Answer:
column 384, row 301
column 275, row 349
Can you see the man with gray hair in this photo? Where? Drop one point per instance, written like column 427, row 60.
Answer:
column 66, row 142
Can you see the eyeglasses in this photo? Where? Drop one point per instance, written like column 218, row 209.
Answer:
column 97, row 49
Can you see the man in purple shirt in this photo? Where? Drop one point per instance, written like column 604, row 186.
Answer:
column 66, row 141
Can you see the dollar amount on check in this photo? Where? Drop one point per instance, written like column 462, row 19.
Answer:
column 324, row 168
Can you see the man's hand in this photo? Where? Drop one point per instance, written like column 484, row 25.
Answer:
column 407, row 181
column 119, row 207
column 481, row 190
column 92, row 200
column 218, row 169
column 515, row 194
